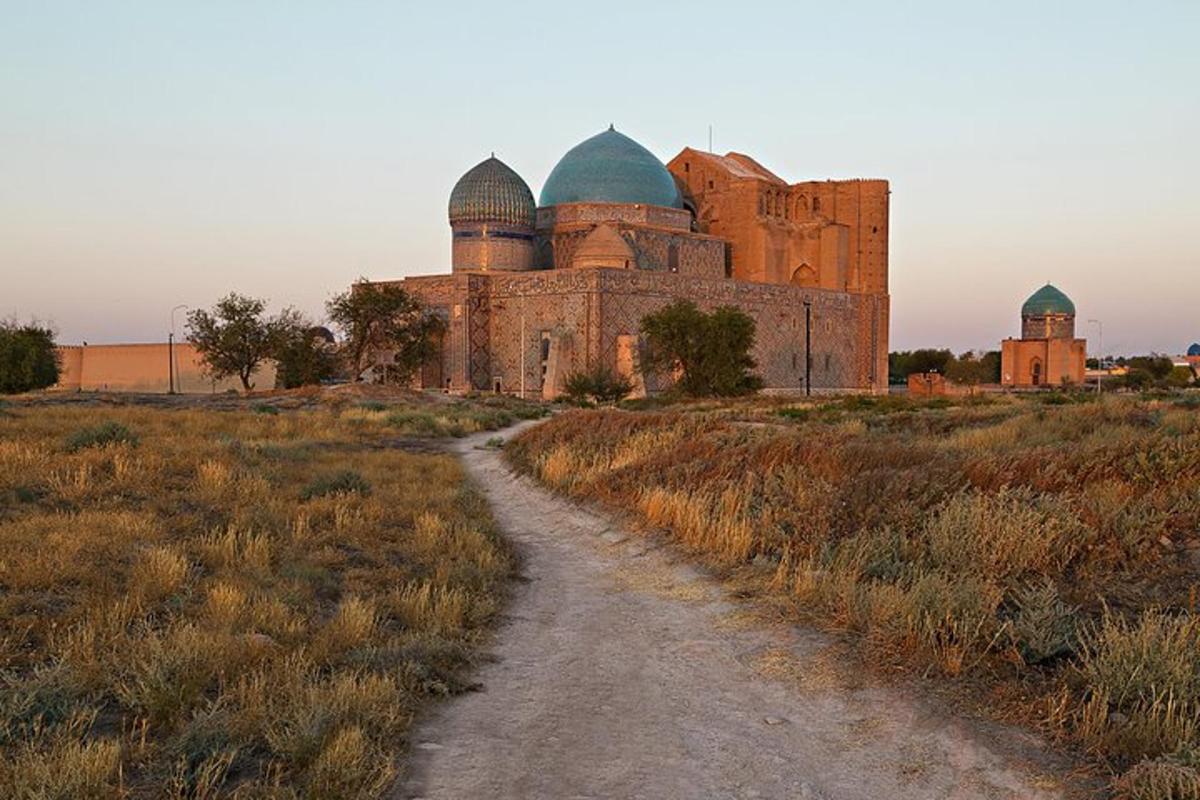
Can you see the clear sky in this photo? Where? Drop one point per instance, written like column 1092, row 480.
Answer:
column 164, row 152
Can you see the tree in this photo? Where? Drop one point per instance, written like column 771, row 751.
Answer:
column 235, row 337
column 28, row 357
column 972, row 368
column 600, row 384
column 710, row 352
column 377, row 317
column 903, row 363
column 304, row 353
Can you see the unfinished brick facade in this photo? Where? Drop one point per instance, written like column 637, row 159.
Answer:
column 618, row 236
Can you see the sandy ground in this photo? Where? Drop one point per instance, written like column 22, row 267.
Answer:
column 621, row 672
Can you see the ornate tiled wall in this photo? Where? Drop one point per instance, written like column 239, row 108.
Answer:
column 507, row 315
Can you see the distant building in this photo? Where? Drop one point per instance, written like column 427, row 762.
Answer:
column 1193, row 356
column 1047, row 354
column 537, row 291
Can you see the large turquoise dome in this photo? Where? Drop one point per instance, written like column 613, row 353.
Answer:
column 610, row 168
column 1047, row 300
column 491, row 192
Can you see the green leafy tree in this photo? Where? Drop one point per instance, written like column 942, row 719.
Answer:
column 305, row 354
column 235, row 337
column 1180, row 377
column 1158, row 367
column 972, row 369
column 599, row 384
column 28, row 357
column 903, row 363
column 375, row 317
column 709, row 352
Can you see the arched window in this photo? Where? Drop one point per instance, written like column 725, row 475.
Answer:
column 816, row 205
column 804, row 275
column 1035, row 372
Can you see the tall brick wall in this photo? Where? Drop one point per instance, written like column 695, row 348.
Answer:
column 145, row 368
column 502, row 318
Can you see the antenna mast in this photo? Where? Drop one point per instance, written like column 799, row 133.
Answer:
column 710, row 137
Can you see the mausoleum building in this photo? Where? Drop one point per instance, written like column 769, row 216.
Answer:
column 538, row 291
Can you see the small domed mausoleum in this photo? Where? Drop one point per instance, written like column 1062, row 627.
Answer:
column 1047, row 354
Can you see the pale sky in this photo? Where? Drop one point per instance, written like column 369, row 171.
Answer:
column 160, row 153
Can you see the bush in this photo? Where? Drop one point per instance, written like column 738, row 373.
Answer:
column 599, row 384
column 711, row 352
column 345, row 482
column 101, row 435
column 28, row 358
column 305, row 354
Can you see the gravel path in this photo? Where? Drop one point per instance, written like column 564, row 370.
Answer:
column 621, row 672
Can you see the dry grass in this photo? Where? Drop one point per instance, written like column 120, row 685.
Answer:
column 1021, row 547
column 202, row 604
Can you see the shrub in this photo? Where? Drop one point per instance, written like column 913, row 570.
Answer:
column 600, row 384
column 305, row 354
column 101, row 435
column 346, row 481
column 1042, row 625
column 28, row 358
column 1174, row 777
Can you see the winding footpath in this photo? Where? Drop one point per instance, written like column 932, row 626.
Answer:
column 621, row 672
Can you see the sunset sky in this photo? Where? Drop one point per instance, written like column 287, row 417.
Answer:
column 163, row 153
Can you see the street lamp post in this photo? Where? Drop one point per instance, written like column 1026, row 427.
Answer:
column 171, row 351
column 1099, row 352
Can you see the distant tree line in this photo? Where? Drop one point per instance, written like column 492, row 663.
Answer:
column 1146, row 372
column 971, row 368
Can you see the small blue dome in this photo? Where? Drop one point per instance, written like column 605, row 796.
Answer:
column 610, row 168
column 1194, row 350
column 1047, row 300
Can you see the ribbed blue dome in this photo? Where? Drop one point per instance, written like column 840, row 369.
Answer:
column 492, row 192
column 1194, row 350
column 1047, row 300
column 610, row 168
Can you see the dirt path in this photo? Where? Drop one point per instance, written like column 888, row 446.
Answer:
column 624, row 673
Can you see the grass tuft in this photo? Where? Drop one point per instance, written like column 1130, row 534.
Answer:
column 102, row 435
column 342, row 482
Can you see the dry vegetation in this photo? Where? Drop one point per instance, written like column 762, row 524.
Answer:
column 242, row 603
column 1040, row 553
